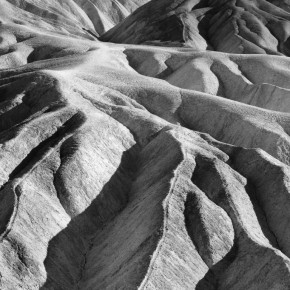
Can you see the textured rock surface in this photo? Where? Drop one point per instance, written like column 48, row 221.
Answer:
column 234, row 26
column 161, row 161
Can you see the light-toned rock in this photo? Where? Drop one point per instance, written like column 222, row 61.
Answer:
column 160, row 162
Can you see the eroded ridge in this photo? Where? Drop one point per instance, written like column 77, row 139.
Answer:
column 160, row 162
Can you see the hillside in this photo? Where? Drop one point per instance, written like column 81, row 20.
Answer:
column 144, row 145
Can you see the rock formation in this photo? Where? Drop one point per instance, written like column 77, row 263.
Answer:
column 154, row 155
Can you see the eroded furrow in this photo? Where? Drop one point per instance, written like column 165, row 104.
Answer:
column 103, row 169
column 10, row 192
column 271, row 193
column 227, row 189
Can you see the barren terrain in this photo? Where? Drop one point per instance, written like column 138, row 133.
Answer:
column 145, row 144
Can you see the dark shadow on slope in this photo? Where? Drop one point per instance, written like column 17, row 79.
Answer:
column 251, row 191
column 211, row 279
column 260, row 214
column 66, row 255
column 94, row 34
column 203, row 26
column 195, row 228
column 201, row 177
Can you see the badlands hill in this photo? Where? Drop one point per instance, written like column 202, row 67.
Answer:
column 152, row 155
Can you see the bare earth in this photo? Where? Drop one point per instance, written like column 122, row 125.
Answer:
column 145, row 148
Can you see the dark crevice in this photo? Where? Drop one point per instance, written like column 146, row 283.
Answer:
column 94, row 34
column 203, row 172
column 250, row 189
column 39, row 152
column 8, row 207
column 203, row 27
column 65, row 153
column 12, row 132
column 261, row 215
column 12, row 120
column 252, row 193
column 10, row 192
column 126, row 170
column 171, row 28
column 69, row 250
column 211, row 280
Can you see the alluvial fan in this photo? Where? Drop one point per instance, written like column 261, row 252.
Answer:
column 144, row 144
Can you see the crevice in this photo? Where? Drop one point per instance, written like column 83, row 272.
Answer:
column 84, row 227
column 261, row 215
column 203, row 26
column 165, row 227
column 12, row 122
column 22, row 118
column 129, row 171
column 258, row 188
column 209, row 227
column 37, row 154
column 28, row 164
column 95, row 35
column 209, row 178
column 211, row 280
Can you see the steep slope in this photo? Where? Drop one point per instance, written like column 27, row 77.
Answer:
column 75, row 17
column 106, row 14
column 64, row 17
column 129, row 166
column 234, row 26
